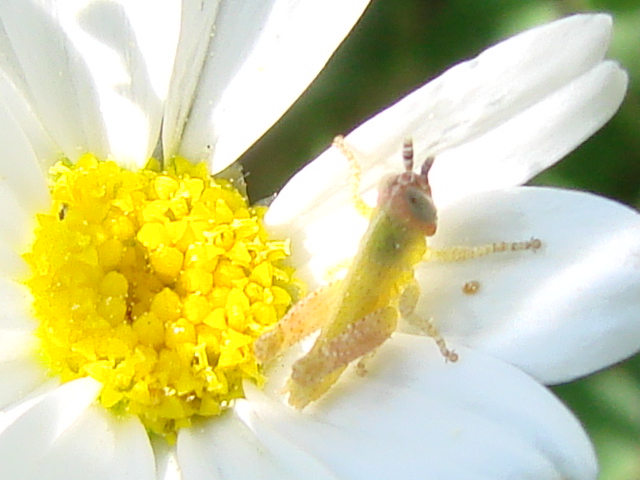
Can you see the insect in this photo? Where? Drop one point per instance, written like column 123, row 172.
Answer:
column 62, row 213
column 357, row 314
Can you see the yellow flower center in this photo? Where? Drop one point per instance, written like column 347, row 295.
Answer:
column 155, row 283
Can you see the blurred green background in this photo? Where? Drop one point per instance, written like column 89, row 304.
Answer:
column 400, row 44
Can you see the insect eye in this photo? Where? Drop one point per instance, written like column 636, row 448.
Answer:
column 420, row 206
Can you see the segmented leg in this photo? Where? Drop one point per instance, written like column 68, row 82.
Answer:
column 356, row 173
column 431, row 330
column 407, row 305
column 304, row 318
column 458, row 254
column 313, row 374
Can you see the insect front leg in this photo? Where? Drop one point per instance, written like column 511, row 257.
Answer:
column 459, row 254
column 316, row 372
column 356, row 172
column 407, row 306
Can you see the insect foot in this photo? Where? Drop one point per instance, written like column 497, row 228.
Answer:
column 431, row 330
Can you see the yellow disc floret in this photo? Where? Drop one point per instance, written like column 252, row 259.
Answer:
column 155, row 283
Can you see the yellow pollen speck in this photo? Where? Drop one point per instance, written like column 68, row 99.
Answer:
column 156, row 283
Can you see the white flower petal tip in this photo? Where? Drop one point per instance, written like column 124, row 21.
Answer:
column 503, row 117
column 412, row 415
column 561, row 312
column 260, row 60
column 532, row 140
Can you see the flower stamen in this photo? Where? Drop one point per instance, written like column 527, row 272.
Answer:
column 155, row 283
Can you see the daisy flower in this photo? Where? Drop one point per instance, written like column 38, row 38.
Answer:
column 149, row 284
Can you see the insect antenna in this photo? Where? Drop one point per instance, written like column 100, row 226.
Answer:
column 426, row 166
column 407, row 154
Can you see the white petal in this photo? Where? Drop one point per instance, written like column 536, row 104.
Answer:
column 24, row 141
column 23, row 188
column 22, row 126
column 19, row 377
column 415, row 416
column 476, row 96
column 41, row 424
column 166, row 458
column 558, row 313
column 100, row 446
column 532, row 101
column 14, row 221
column 55, row 78
column 197, row 30
column 532, row 141
column 15, row 314
column 131, row 60
column 96, row 73
column 95, row 444
column 62, row 436
column 20, row 372
column 14, row 411
column 226, row 448
column 261, row 57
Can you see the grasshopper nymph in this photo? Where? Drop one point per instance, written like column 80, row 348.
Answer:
column 360, row 312
column 357, row 314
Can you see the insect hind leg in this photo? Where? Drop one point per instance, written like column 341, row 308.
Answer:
column 316, row 372
column 304, row 318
